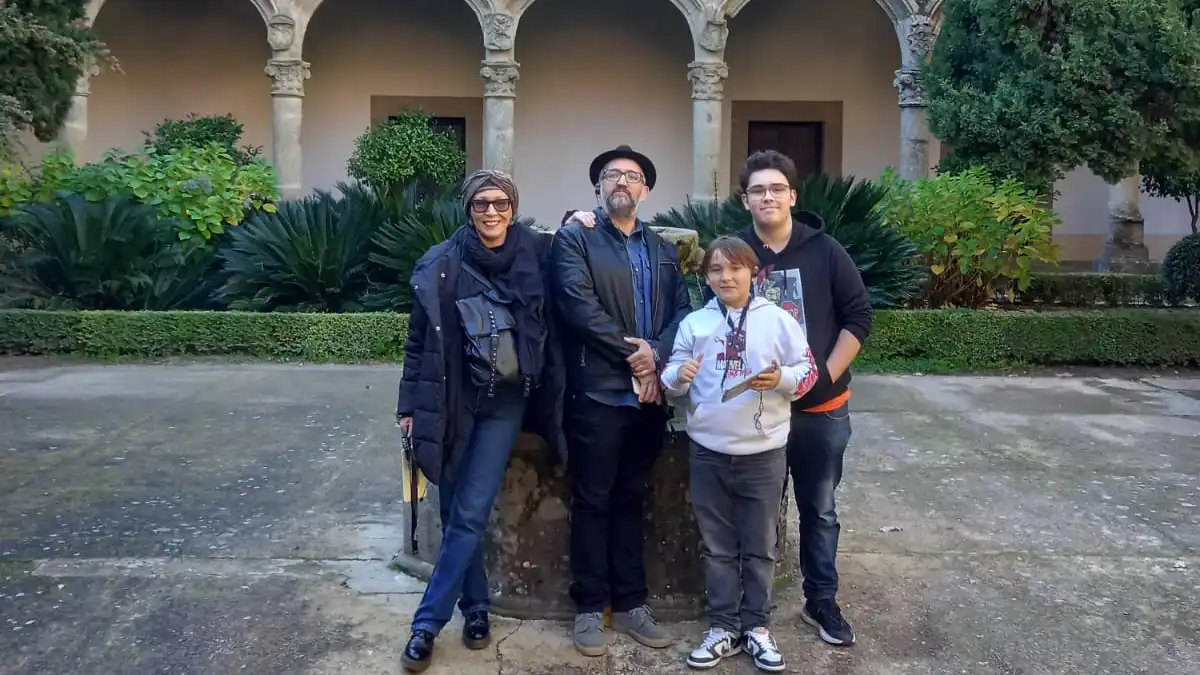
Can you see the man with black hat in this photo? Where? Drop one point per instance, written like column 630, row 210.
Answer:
column 620, row 295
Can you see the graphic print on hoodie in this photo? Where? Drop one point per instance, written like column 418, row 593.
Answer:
column 816, row 281
column 753, row 421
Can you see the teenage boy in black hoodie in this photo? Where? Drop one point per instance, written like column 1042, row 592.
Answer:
column 808, row 273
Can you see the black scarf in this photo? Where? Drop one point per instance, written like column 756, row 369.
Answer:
column 515, row 271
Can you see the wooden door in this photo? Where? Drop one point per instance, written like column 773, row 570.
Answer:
column 803, row 142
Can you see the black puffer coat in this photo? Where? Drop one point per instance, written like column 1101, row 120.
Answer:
column 432, row 388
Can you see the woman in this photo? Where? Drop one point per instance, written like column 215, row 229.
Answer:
column 479, row 362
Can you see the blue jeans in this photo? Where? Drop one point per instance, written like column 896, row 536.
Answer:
column 467, row 493
column 816, row 448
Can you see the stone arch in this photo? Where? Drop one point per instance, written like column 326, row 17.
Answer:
column 267, row 8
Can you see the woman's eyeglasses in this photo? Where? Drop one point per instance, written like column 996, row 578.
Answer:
column 481, row 205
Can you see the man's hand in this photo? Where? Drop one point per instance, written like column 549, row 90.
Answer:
column 768, row 380
column 641, row 361
column 405, row 425
column 651, row 389
column 584, row 218
column 687, row 372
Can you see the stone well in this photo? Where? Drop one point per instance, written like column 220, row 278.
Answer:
column 528, row 543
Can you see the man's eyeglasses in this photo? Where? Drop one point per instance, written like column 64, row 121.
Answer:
column 759, row 191
column 481, row 205
column 614, row 175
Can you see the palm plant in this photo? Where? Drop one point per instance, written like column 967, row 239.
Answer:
column 400, row 243
column 70, row 253
column 310, row 255
column 422, row 223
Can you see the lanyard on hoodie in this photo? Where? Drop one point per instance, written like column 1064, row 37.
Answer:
column 741, row 328
column 734, row 330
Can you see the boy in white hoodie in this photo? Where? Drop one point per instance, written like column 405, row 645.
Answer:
column 738, row 435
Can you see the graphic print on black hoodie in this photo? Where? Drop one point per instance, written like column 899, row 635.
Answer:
column 816, row 281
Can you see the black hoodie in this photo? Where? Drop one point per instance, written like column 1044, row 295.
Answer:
column 815, row 280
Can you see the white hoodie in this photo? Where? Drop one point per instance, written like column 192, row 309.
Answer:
column 770, row 334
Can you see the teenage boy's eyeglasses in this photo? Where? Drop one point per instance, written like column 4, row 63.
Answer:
column 614, row 175
column 759, row 191
column 481, row 205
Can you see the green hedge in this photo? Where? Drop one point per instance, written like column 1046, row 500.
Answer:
column 1088, row 289
column 316, row 337
column 903, row 339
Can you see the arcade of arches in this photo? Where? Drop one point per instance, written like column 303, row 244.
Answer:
column 538, row 87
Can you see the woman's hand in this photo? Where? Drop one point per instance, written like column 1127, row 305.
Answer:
column 405, row 424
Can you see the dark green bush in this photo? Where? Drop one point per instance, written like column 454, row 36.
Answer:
column 1088, row 290
column 196, row 131
column 903, row 339
column 406, row 150
column 316, row 337
column 117, row 254
column 884, row 257
column 1181, row 270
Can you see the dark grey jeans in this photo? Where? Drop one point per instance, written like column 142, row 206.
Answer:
column 736, row 502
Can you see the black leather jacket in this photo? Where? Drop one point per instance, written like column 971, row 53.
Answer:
column 592, row 282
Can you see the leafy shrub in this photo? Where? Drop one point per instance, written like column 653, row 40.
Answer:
column 975, row 234
column 1089, row 290
column 195, row 131
column 117, row 254
column 406, row 150
column 883, row 256
column 310, row 255
column 1181, row 270
column 203, row 190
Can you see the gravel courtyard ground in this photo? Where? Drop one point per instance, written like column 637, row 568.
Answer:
column 221, row 518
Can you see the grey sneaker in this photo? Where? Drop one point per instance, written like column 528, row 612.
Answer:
column 639, row 624
column 588, row 634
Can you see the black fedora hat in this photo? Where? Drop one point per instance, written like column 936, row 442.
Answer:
column 626, row 152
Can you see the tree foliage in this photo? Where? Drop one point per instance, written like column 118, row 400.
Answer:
column 1032, row 89
column 44, row 47
column 407, row 150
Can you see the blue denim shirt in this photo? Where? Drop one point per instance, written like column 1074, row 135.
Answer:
column 643, row 289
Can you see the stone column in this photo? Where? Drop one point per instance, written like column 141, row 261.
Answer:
column 708, row 97
column 74, row 132
column 287, row 98
column 919, row 35
column 1125, row 249
column 499, row 99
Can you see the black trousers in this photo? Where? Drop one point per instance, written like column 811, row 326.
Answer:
column 611, row 453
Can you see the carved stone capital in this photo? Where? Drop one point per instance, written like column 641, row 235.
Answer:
column 500, row 78
column 281, row 32
column 713, row 36
column 83, row 86
column 499, row 31
column 921, row 36
column 911, row 88
column 708, row 79
column 287, row 76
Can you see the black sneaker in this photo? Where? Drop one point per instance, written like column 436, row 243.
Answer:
column 418, row 652
column 477, row 630
column 826, row 617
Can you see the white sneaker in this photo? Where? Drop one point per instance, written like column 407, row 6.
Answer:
column 718, row 643
column 761, row 645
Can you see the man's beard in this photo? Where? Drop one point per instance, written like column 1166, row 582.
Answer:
column 620, row 204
